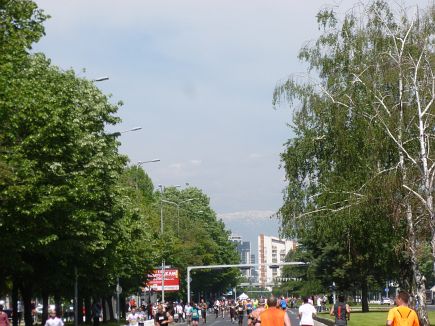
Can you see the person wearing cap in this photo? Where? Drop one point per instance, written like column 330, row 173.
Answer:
column 53, row 320
column 273, row 316
column 253, row 318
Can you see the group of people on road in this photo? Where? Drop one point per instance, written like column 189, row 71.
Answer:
column 401, row 315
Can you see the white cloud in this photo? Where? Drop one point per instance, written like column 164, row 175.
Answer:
column 255, row 155
column 247, row 215
column 196, row 162
column 177, row 166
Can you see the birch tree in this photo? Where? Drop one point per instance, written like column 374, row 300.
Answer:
column 376, row 68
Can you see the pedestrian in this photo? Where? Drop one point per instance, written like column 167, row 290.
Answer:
column 4, row 319
column 179, row 309
column 203, row 306
column 402, row 314
column 188, row 313
column 162, row 317
column 133, row 317
column 319, row 304
column 341, row 311
column 53, row 320
column 306, row 313
column 232, row 311
column 96, row 313
column 196, row 311
column 240, row 310
column 256, row 313
column 274, row 316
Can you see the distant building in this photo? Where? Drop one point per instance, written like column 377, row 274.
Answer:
column 272, row 250
column 244, row 250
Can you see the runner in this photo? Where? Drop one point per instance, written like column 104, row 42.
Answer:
column 402, row 314
column 188, row 313
column 53, row 320
column 240, row 310
column 162, row 317
column 273, row 315
column 306, row 313
column 261, row 306
column 203, row 307
column 216, row 308
column 249, row 308
column 232, row 311
column 195, row 314
column 341, row 311
column 133, row 317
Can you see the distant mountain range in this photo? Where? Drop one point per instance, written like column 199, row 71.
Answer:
column 249, row 224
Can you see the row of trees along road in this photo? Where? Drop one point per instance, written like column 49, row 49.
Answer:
column 360, row 168
column 69, row 204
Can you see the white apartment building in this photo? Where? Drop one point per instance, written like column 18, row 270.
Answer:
column 272, row 250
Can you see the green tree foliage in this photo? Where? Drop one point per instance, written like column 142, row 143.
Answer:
column 202, row 240
column 355, row 134
column 67, row 198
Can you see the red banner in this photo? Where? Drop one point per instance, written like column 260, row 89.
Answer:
column 172, row 282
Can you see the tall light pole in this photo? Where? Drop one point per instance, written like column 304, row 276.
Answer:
column 100, row 79
column 162, row 189
column 178, row 210
column 76, row 274
column 150, row 161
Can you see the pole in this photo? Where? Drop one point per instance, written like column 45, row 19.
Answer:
column 161, row 233
column 188, row 284
column 334, row 297
column 178, row 220
column 76, row 297
column 117, row 300
column 163, row 281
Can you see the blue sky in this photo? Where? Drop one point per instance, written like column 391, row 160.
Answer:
column 198, row 77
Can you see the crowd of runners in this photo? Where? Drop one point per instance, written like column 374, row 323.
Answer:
column 195, row 313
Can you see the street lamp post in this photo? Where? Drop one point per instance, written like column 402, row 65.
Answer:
column 178, row 210
column 162, row 189
column 150, row 161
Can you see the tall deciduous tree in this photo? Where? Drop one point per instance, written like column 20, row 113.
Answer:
column 364, row 131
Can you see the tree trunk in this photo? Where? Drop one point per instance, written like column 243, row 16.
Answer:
column 57, row 305
column 109, row 301
column 88, row 310
column 44, row 307
column 364, row 296
column 15, row 302
column 103, row 307
column 122, row 307
column 26, row 292
column 420, row 286
column 80, row 309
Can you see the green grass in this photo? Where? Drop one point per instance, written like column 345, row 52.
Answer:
column 375, row 318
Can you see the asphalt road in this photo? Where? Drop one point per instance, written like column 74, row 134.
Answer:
column 212, row 321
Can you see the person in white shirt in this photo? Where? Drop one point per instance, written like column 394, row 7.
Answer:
column 306, row 313
column 53, row 320
column 319, row 304
column 179, row 310
column 188, row 313
column 133, row 317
